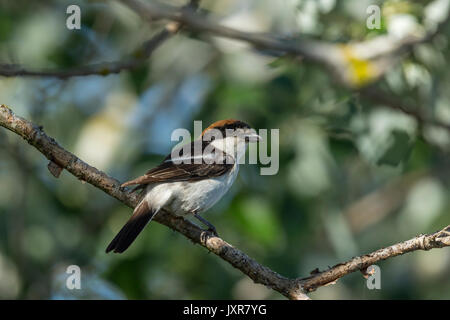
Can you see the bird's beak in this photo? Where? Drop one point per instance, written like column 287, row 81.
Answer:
column 253, row 137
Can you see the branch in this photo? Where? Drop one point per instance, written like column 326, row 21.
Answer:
column 291, row 288
column 354, row 64
column 438, row 239
column 101, row 69
column 35, row 136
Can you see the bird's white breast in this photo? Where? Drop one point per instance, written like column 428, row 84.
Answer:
column 184, row 197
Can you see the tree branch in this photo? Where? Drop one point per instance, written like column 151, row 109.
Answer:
column 102, row 69
column 291, row 288
column 438, row 239
column 354, row 64
column 35, row 136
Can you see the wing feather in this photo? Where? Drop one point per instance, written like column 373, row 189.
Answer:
column 173, row 169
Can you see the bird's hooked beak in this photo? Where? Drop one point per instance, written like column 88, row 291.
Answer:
column 252, row 136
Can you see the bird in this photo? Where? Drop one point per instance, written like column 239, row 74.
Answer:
column 190, row 180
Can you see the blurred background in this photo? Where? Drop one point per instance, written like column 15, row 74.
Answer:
column 354, row 176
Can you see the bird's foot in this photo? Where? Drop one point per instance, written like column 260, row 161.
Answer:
column 212, row 230
column 208, row 233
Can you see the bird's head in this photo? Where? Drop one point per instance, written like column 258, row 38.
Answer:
column 231, row 136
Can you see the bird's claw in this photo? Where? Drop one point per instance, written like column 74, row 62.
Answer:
column 213, row 231
column 207, row 233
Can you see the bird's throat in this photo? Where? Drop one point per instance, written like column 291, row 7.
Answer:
column 232, row 146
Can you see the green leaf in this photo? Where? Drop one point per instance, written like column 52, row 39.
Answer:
column 398, row 151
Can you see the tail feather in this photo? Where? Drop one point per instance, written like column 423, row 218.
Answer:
column 142, row 215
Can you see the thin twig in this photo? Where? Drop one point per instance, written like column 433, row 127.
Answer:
column 151, row 11
column 139, row 57
column 438, row 239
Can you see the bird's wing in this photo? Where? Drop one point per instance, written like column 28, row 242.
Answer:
column 187, row 166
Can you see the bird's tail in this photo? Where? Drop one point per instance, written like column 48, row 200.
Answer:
column 141, row 216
